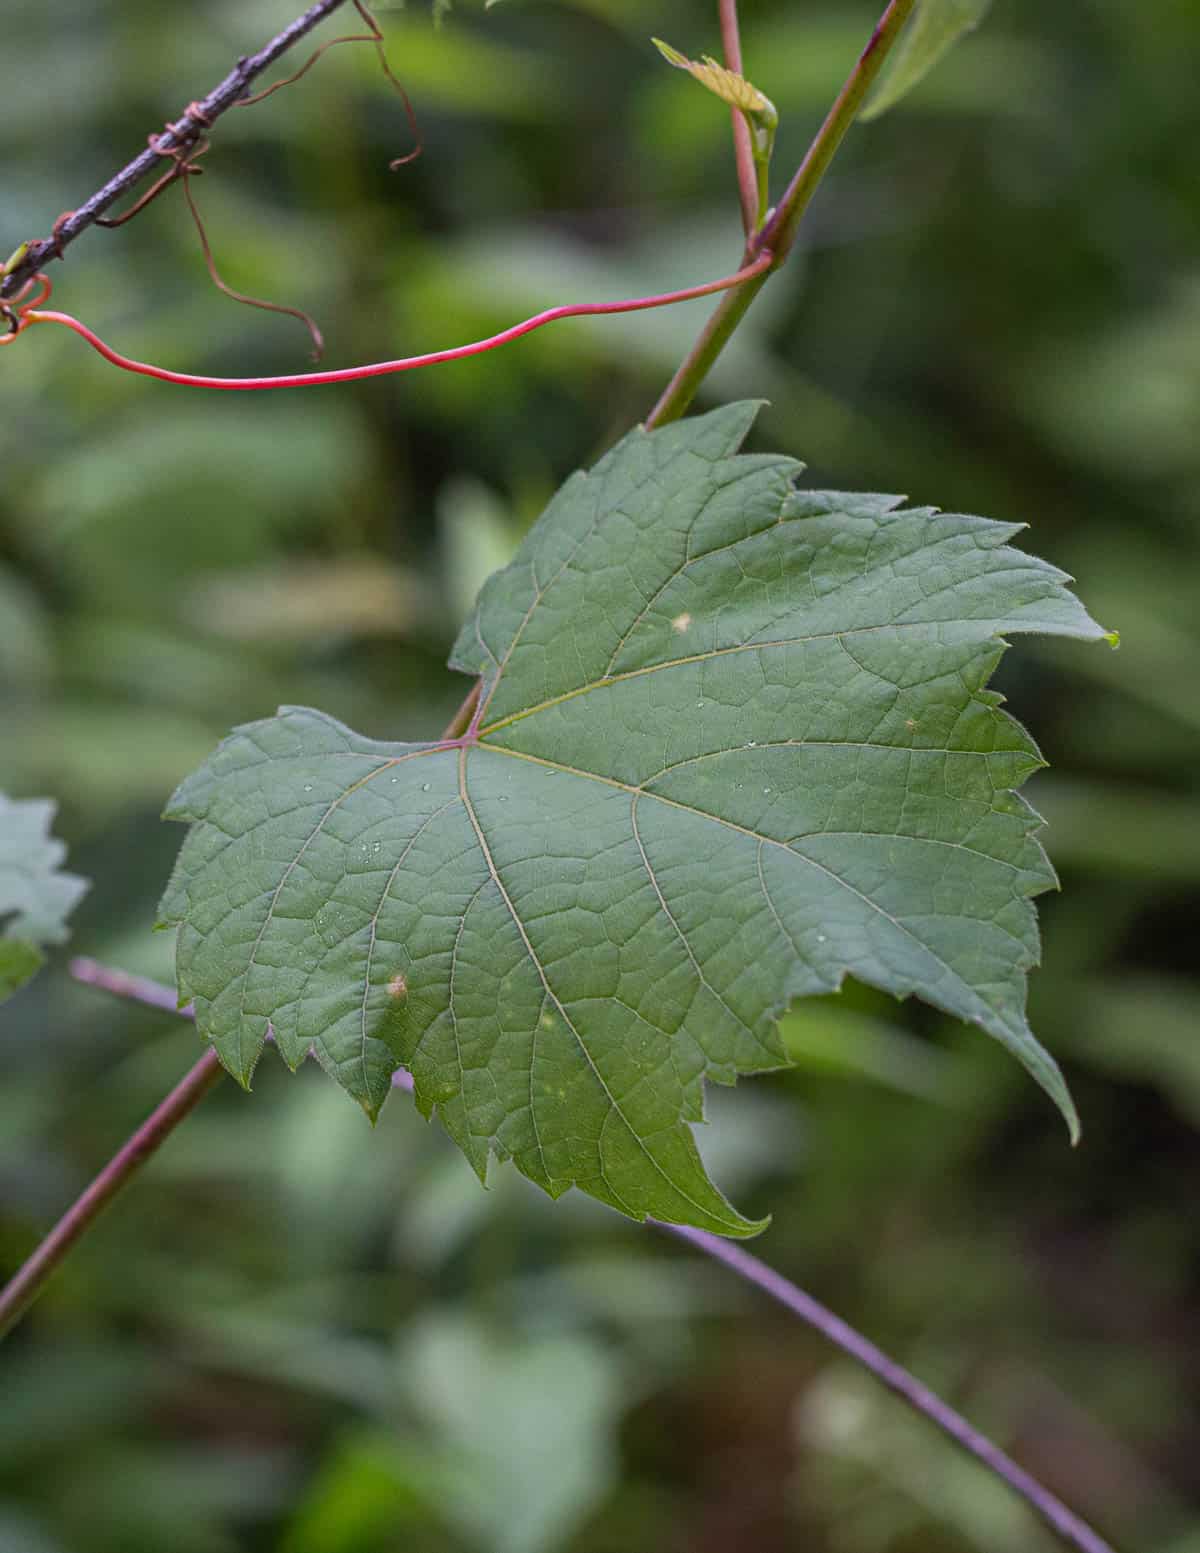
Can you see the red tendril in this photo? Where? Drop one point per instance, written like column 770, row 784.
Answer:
column 21, row 318
column 184, row 159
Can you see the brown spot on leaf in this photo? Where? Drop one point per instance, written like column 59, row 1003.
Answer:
column 397, row 987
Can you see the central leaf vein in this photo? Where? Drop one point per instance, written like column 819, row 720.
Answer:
column 615, row 1105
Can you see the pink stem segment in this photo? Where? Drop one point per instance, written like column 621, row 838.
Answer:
column 405, row 363
column 743, row 151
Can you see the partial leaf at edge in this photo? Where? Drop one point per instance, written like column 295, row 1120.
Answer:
column 935, row 28
column 19, row 962
column 36, row 897
column 737, row 743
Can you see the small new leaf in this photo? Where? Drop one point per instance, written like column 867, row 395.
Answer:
column 19, row 962
column 730, row 87
column 35, row 896
column 735, row 743
column 936, row 26
column 13, row 260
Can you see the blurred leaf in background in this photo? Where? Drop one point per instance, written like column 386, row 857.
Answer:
column 36, row 896
column 934, row 29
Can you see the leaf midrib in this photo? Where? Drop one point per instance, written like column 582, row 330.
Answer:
column 494, row 873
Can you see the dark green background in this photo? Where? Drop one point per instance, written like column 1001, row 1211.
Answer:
column 297, row 1334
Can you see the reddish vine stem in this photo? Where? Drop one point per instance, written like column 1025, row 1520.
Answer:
column 465, row 716
column 27, row 1283
column 743, row 152
column 16, row 1298
column 181, row 135
column 19, row 1294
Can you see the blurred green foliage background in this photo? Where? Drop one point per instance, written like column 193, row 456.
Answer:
column 297, row 1334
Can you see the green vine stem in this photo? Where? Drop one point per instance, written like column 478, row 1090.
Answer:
column 779, row 233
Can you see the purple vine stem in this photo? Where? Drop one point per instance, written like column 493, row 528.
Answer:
column 16, row 1297
column 156, row 994
column 1073, row 1531
column 138, row 989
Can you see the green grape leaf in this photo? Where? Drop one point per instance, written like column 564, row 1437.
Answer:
column 936, row 26
column 735, row 743
column 35, row 896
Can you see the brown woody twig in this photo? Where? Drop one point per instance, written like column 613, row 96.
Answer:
column 179, row 138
